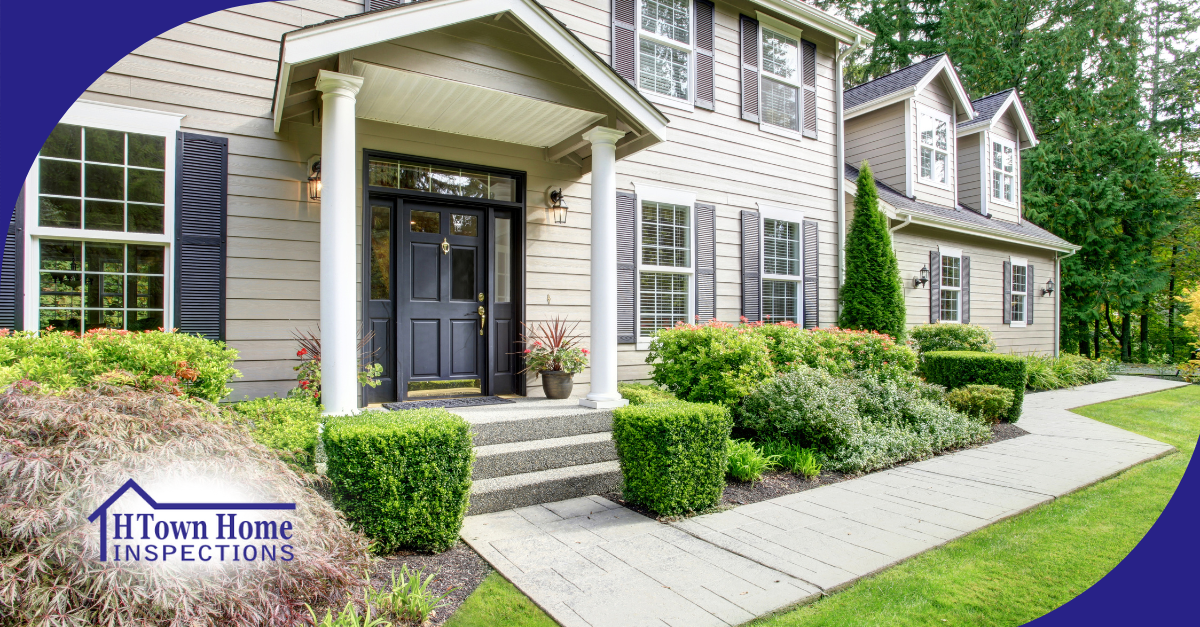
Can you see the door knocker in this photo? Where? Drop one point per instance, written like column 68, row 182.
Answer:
column 445, row 247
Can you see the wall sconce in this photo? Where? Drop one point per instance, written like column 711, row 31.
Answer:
column 1049, row 289
column 921, row 279
column 556, row 206
column 314, row 179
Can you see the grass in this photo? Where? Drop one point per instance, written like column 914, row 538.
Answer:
column 1007, row 574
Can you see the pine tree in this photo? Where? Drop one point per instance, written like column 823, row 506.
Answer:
column 872, row 296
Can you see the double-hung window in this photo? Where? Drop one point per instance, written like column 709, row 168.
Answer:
column 783, row 271
column 934, row 135
column 665, row 260
column 1020, row 292
column 665, row 48
column 951, row 286
column 99, row 216
column 780, row 85
column 1003, row 167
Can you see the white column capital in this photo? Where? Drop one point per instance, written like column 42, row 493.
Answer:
column 338, row 83
column 603, row 135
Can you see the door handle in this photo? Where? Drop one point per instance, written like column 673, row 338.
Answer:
column 482, row 317
column 445, row 247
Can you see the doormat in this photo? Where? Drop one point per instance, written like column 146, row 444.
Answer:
column 470, row 401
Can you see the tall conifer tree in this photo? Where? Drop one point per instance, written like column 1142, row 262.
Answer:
column 872, row 297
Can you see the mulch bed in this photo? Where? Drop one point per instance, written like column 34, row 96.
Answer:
column 778, row 483
column 459, row 568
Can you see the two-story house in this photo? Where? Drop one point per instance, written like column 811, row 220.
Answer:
column 948, row 171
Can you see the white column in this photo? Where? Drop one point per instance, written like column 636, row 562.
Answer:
column 339, row 325
column 603, row 392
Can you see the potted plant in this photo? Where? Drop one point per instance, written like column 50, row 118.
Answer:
column 552, row 352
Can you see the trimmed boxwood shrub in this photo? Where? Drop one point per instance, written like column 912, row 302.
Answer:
column 988, row 402
column 641, row 394
column 287, row 425
column 673, row 455
column 951, row 336
column 956, row 369
column 403, row 478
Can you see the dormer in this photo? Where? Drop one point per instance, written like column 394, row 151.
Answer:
column 989, row 169
column 903, row 123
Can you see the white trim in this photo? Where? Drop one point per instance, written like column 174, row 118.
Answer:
column 951, row 163
column 778, row 25
column 910, row 121
column 1014, row 262
column 669, row 102
column 983, row 187
column 688, row 104
column 947, row 252
column 823, row 21
column 674, row 197
column 796, row 216
column 664, row 194
column 960, row 93
column 797, row 83
column 991, row 169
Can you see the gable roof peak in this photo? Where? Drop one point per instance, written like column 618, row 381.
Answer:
column 906, row 82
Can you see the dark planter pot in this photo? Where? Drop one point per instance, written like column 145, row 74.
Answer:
column 557, row 383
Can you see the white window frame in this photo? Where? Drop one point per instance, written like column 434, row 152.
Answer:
column 767, row 22
column 115, row 118
column 1014, row 263
column 946, row 252
column 950, row 144
column 647, row 193
column 992, row 170
column 772, row 212
column 690, row 49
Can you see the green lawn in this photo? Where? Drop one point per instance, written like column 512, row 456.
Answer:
column 1007, row 574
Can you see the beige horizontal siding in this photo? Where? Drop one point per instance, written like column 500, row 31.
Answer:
column 878, row 137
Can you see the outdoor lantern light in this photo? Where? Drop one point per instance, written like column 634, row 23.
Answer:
column 314, row 181
column 923, row 278
column 1049, row 289
column 556, row 205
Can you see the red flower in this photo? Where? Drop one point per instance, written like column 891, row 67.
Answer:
column 302, row 352
column 585, row 352
column 527, row 351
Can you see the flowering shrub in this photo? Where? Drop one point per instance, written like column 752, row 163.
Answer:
column 177, row 363
column 308, row 371
column 553, row 347
column 949, row 336
column 710, row 363
column 836, row 351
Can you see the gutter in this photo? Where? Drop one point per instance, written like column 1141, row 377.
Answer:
column 840, row 171
column 892, row 231
column 1058, row 301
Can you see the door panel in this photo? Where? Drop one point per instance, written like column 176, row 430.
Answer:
column 464, row 351
column 424, row 264
column 426, row 351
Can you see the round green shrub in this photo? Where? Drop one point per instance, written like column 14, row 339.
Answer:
column 949, row 336
column 641, row 394
column 287, row 425
column 956, row 369
column 805, row 404
column 987, row 402
column 672, row 455
column 403, row 477
column 711, row 363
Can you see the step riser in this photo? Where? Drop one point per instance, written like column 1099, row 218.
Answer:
column 545, row 492
column 518, row 462
column 505, row 432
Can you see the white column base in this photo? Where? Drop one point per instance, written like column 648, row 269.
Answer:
column 587, row 402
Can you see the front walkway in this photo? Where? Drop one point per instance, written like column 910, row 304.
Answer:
column 589, row 562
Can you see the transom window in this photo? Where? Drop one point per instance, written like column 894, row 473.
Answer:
column 423, row 177
column 951, row 289
column 934, row 130
column 1003, row 170
column 88, row 285
column 782, row 267
column 665, row 47
column 780, row 80
column 1020, row 293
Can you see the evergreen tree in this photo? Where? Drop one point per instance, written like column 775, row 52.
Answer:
column 872, row 296
column 905, row 33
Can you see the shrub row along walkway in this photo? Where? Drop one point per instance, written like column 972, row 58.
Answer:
column 589, row 562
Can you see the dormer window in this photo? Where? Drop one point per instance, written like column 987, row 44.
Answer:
column 1003, row 169
column 665, row 48
column 934, row 128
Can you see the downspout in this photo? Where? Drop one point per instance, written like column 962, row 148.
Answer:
column 840, row 166
column 1058, row 301
column 892, row 231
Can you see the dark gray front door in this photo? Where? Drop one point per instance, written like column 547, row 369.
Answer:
column 441, row 299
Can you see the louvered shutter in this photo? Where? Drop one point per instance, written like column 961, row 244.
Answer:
column 751, row 266
column 705, row 46
column 965, row 293
column 11, row 292
column 626, row 268
column 200, row 204
column 624, row 39
column 809, row 73
column 379, row 5
column 935, row 286
column 706, row 262
column 749, row 47
column 1029, row 294
column 1007, row 305
column 811, row 272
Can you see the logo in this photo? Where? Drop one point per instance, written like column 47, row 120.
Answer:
column 192, row 532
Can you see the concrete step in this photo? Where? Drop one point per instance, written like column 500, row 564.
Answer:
column 533, row 419
column 514, row 458
column 544, row 486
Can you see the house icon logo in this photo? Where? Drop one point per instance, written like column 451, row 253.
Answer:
column 193, row 532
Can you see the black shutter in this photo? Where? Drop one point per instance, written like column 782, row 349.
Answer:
column 200, row 202
column 626, row 268
column 751, row 266
column 811, row 273
column 624, row 39
column 749, row 48
column 1007, row 304
column 935, row 286
column 12, row 299
column 379, row 5
column 1029, row 294
column 705, row 47
column 809, row 72
column 965, row 293
column 706, row 262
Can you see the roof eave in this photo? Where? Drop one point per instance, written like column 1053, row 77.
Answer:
column 830, row 24
column 960, row 93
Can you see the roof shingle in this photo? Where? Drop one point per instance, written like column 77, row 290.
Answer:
column 888, row 84
column 986, row 108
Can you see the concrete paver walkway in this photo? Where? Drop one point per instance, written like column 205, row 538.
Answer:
column 591, row 563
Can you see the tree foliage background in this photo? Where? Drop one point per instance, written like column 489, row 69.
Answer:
column 1112, row 88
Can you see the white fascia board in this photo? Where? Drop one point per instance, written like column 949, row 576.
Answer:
column 1015, row 102
column 996, row 235
column 944, row 65
column 871, row 105
column 827, row 23
column 367, row 29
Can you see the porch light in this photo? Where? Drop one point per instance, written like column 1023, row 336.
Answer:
column 314, row 181
column 923, row 278
column 1049, row 289
column 556, row 206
